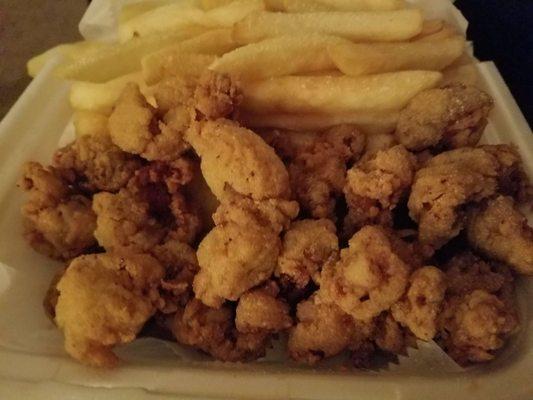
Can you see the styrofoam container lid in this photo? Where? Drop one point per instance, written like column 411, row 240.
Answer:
column 34, row 365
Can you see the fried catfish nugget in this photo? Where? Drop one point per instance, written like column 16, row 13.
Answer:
column 500, row 231
column 475, row 325
column 213, row 331
column 155, row 134
column 479, row 312
column 369, row 277
column 306, row 247
column 150, row 210
column 317, row 164
column 444, row 118
column 375, row 186
column 419, row 308
column 216, row 96
column 242, row 250
column 323, row 330
column 453, row 180
column 58, row 222
column 104, row 300
column 235, row 157
column 261, row 309
column 94, row 163
column 181, row 265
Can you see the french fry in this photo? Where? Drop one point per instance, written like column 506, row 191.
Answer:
column 69, row 51
column 210, row 4
column 363, row 5
column 89, row 123
column 157, row 67
column 172, row 17
column 283, row 55
column 233, row 12
column 368, row 122
column 100, row 97
column 176, row 16
column 132, row 10
column 342, row 94
column 373, row 26
column 429, row 27
column 445, row 32
column 160, row 63
column 116, row 60
column 303, row 6
column 362, row 59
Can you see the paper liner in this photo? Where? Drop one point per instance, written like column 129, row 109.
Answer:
column 31, row 347
column 427, row 357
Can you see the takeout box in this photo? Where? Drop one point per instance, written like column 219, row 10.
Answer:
column 32, row 359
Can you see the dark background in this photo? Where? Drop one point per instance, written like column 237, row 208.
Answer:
column 502, row 31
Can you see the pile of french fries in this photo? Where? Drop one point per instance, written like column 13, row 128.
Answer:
column 301, row 64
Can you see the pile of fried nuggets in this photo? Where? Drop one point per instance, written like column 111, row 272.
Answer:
column 184, row 219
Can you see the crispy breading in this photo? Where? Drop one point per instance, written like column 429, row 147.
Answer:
column 500, row 231
column 241, row 251
column 444, row 118
column 261, row 310
column 180, row 264
column 136, row 127
column 213, row 331
column 216, row 96
column 317, row 163
column 369, row 277
column 104, row 300
column 235, row 157
column 306, row 247
column 419, row 308
column 324, row 330
column 453, row 180
column 375, row 186
column 389, row 334
column 476, row 324
column 94, row 163
column 150, row 209
column 58, row 222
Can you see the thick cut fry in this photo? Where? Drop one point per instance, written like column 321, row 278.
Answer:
column 89, row 123
column 116, row 60
column 284, row 55
column 172, row 17
column 132, row 10
column 445, row 32
column 303, row 6
column 100, row 97
column 344, row 94
column 368, row 122
column 175, row 17
column 233, row 12
column 429, row 27
column 362, row 59
column 158, row 64
column 165, row 64
column 363, row 5
column 374, row 26
column 210, row 4
column 69, row 51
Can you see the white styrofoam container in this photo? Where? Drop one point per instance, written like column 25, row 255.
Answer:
column 33, row 364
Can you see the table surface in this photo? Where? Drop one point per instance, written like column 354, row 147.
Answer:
column 502, row 31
